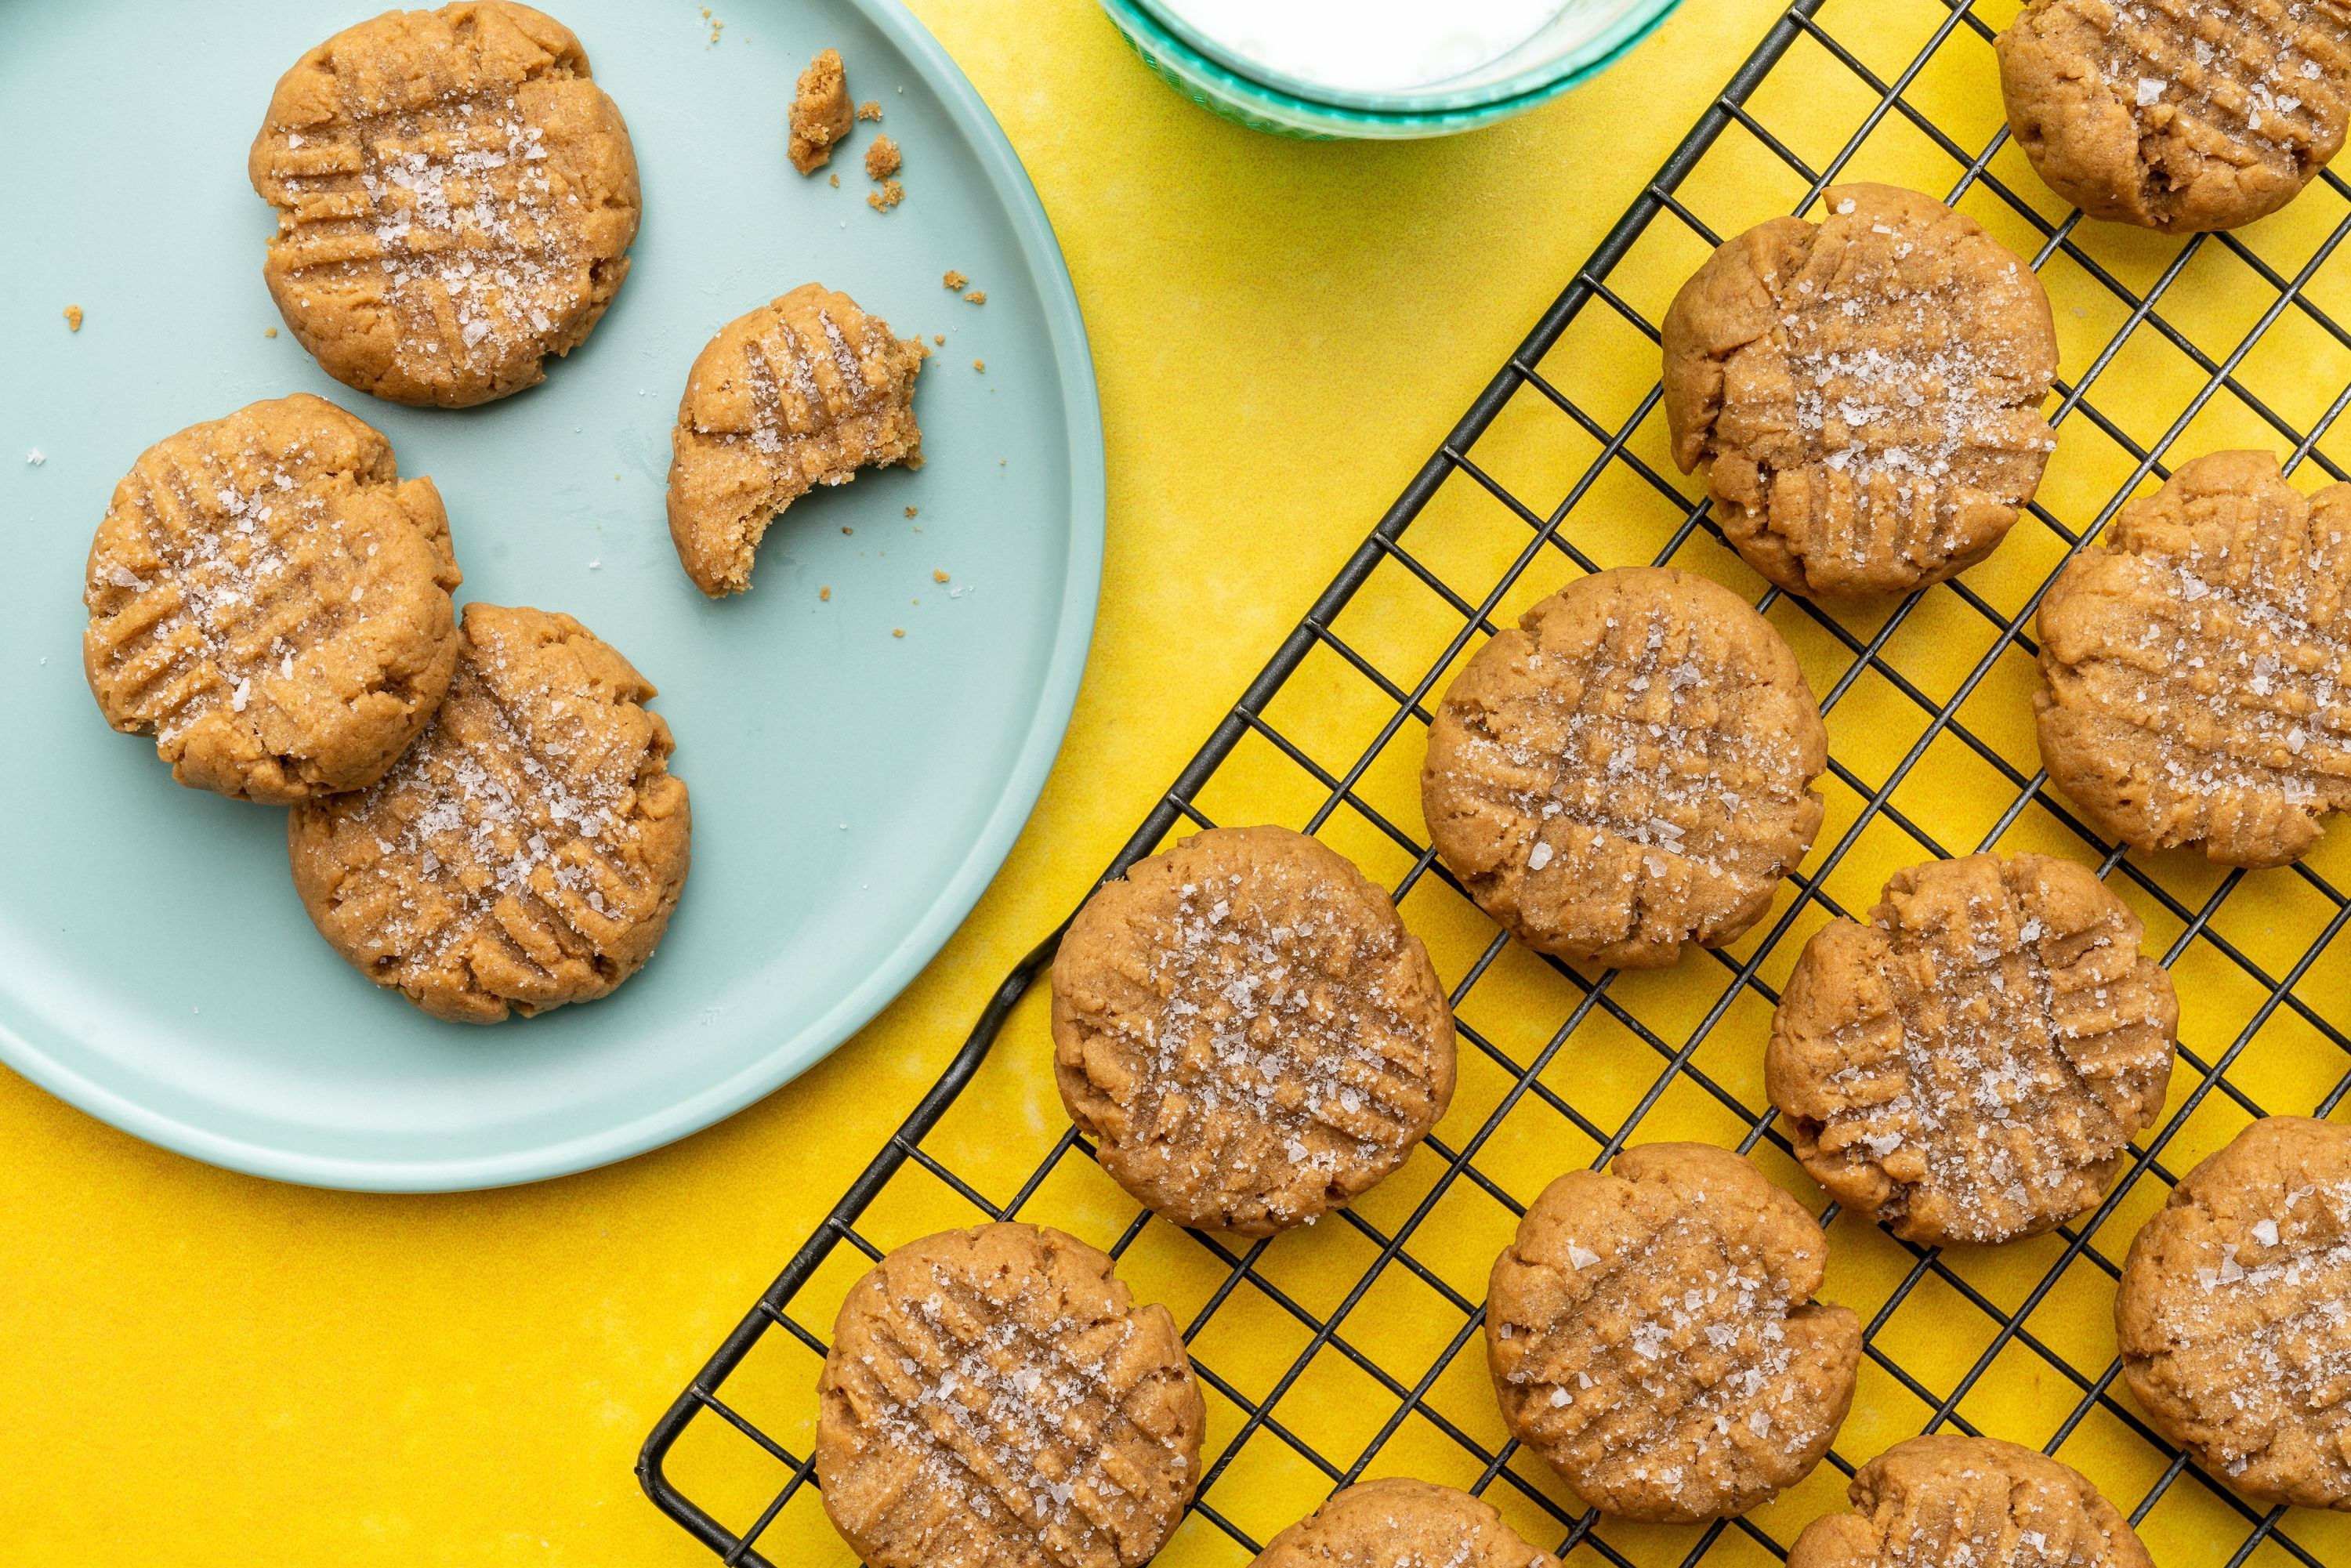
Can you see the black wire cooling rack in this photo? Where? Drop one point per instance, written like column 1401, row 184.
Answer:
column 1315, row 1374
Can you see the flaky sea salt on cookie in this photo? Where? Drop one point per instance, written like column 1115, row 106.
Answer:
column 1952, row 1502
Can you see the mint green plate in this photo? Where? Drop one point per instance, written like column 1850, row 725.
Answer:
column 853, row 791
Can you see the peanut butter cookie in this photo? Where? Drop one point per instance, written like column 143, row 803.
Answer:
column 1247, row 1032
column 1864, row 393
column 1399, row 1524
column 2234, row 1313
column 456, row 199
column 2177, row 114
column 2196, row 689
column 270, row 601
column 1652, row 1334
column 1630, row 768
column 1972, row 1064
column 820, row 113
column 1977, row 1501
column 526, row 852
column 804, row 390
column 994, row 1398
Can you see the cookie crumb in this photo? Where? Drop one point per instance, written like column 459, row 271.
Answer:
column 836, row 181
column 847, row 529
column 888, row 197
column 980, row 364
column 825, row 593
column 869, row 110
column 938, row 576
column 881, row 159
column 73, row 318
column 819, row 115
column 897, row 631
column 977, row 296
column 955, row 280
column 911, row 512
column 270, row 331
column 940, row 339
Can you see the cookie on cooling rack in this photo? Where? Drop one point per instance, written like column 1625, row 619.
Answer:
column 2234, row 1313
column 1400, row 1523
column 456, row 198
column 1628, row 769
column 1980, row 1501
column 1864, row 393
column 994, row 1398
column 1247, row 1032
column 1973, row 1063
column 1652, row 1334
column 270, row 600
column 2178, row 115
column 2193, row 694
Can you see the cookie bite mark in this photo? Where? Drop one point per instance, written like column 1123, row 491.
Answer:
column 1400, row 1523
column 456, row 199
column 821, row 115
column 994, row 1396
column 1980, row 1501
column 805, row 390
column 1247, row 1032
column 270, row 600
column 527, row 852
column 1973, row 1063
column 1652, row 1334
column 1864, row 393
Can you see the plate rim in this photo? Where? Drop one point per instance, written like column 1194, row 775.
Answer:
column 923, row 940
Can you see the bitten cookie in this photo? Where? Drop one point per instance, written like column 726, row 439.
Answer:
column 1652, row 1334
column 2234, row 1313
column 804, row 390
column 2177, row 114
column 454, row 200
column 270, row 600
column 1629, row 769
column 1977, row 1501
column 1247, row 1032
column 1400, row 1523
column 994, row 1398
column 1972, row 1064
column 526, row 852
column 2195, row 691
column 1863, row 393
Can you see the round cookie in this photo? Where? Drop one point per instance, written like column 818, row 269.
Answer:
column 1247, row 1032
column 2178, row 115
column 1980, row 1501
column 1864, row 393
column 1652, row 1334
column 526, row 852
column 270, row 600
column 2195, row 689
column 2234, row 1313
column 1972, row 1064
column 994, row 1398
column 1630, row 768
column 1400, row 1523
column 456, row 199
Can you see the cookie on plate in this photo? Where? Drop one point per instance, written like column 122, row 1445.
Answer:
column 270, row 600
column 1400, row 1523
column 805, row 390
column 456, row 198
column 1247, row 1032
column 994, row 1398
column 1864, row 393
column 1973, row 1063
column 1980, row 1501
column 2234, row 1313
column 1628, row 769
column 2193, row 662
column 1652, row 1334
column 526, row 852
column 2178, row 115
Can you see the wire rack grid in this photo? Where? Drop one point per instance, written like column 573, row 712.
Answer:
column 1333, row 1354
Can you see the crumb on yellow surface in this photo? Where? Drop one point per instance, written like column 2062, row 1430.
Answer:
column 881, row 159
column 869, row 110
column 955, row 280
column 888, row 197
column 825, row 593
column 73, row 318
column 978, row 297
column 270, row 331
column 938, row 576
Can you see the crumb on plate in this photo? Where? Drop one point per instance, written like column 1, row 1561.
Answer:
column 881, row 159
column 938, row 576
column 888, row 197
column 73, row 318
column 869, row 110
column 819, row 111
column 955, row 280
column 978, row 297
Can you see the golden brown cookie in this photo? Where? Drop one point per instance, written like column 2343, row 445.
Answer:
column 2234, row 1313
column 1247, row 1032
column 1629, row 769
column 804, row 390
column 1652, row 1334
column 1400, row 1523
column 456, row 199
column 526, row 852
column 270, row 600
column 1972, row 1064
column 2177, row 114
column 994, row 1398
column 1864, row 393
column 820, row 113
column 2195, row 666
column 1974, row 1502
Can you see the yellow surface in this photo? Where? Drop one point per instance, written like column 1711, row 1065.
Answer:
column 201, row 1368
